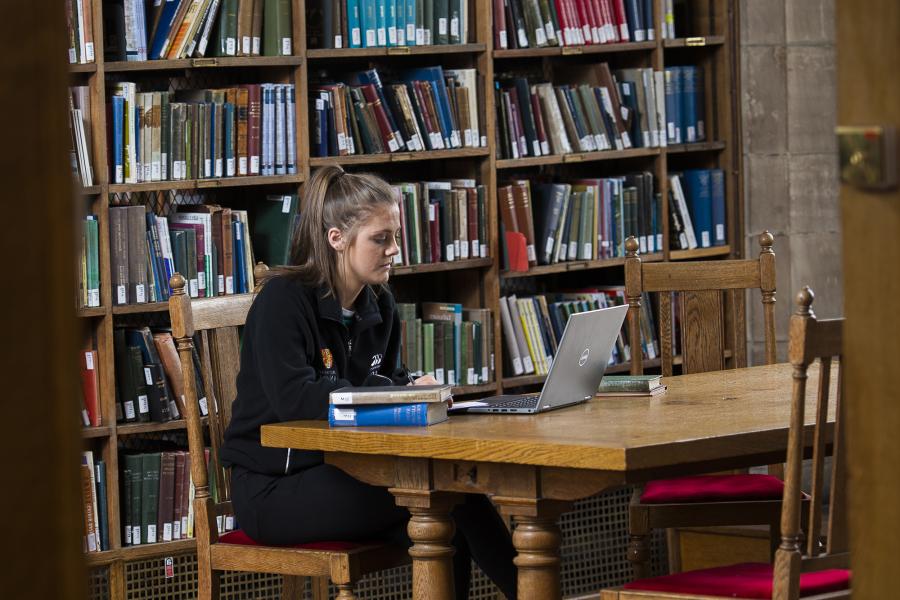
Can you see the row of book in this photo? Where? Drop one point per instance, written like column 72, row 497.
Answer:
column 80, row 29
column 149, row 380
column 697, row 209
column 198, row 134
column 209, row 245
column 94, row 503
column 533, row 327
column 80, row 135
column 157, row 497
column 428, row 108
column 441, row 221
column 597, row 109
column 170, row 29
column 451, row 343
column 387, row 23
column 588, row 219
column 542, row 23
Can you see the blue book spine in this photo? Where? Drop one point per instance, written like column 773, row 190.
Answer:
column 162, row 30
column 118, row 121
column 391, row 21
column 381, row 415
column 677, row 104
column 649, row 23
column 435, row 75
column 354, row 23
column 670, row 75
column 369, row 23
column 689, row 104
column 238, row 256
column 227, row 135
column 718, row 207
column 698, row 189
column 699, row 103
column 291, row 134
column 400, row 8
column 411, row 22
column 635, row 20
column 381, row 22
column 102, row 514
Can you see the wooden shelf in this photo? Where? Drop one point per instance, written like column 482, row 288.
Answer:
column 91, row 190
column 575, row 50
column 212, row 62
column 485, row 388
column 99, row 559
column 372, row 159
column 577, row 157
column 94, row 311
column 576, row 265
column 140, row 428
column 455, row 265
column 199, row 184
column 329, row 53
column 700, row 253
column 695, row 42
column 95, row 432
column 696, row 147
column 136, row 309
column 83, row 68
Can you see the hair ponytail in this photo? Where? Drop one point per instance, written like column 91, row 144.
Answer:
column 331, row 198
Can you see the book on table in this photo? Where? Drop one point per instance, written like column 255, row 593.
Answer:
column 390, row 394
column 630, row 385
column 381, row 415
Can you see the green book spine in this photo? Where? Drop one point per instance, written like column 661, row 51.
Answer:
column 450, row 354
column 456, row 25
column 93, row 266
column 126, row 507
column 419, row 360
column 585, row 247
column 465, row 361
column 134, row 465
column 428, row 348
column 149, row 496
column 440, row 18
column 429, row 31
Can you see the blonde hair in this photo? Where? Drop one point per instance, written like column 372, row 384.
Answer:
column 332, row 198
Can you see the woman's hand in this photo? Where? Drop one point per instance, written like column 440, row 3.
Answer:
column 425, row 380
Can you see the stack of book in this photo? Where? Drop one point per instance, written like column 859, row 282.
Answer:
column 441, row 221
column 697, row 209
column 387, row 23
column 630, row 385
column 80, row 27
column 200, row 134
column 172, row 29
column 407, row 405
column 428, row 108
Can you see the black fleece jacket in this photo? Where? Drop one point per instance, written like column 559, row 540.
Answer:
column 295, row 350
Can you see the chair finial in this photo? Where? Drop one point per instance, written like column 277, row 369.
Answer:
column 260, row 270
column 766, row 240
column 805, row 299
column 631, row 246
column 176, row 282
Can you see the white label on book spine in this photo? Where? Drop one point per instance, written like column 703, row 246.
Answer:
column 254, row 165
column 230, row 46
column 89, row 360
column 245, row 44
column 194, row 288
column 355, row 37
column 527, row 364
column 85, row 418
column 89, row 51
column 587, row 251
column 463, row 250
column 382, row 36
column 392, row 36
column 72, row 58
column 475, row 248
column 393, row 146
column 532, row 254
column 370, row 37
column 220, row 284
column 523, row 39
column 120, row 174
column 704, row 239
column 449, row 251
column 286, row 46
column 151, row 534
column 338, row 41
column 623, row 32
column 220, row 524
column 218, row 167
column 128, row 535
column 229, row 284
column 343, row 414
column 470, row 376
column 442, row 26
column 439, row 375
column 341, row 398
column 242, row 165
column 642, row 243
column 129, row 410
column 204, row 406
column 286, row 204
column 140, row 293
column 136, row 535
column 184, row 527
column 148, row 376
column 92, row 542
column 229, row 522
column 484, row 374
column 451, row 377
column 455, row 142
column 410, row 34
column 342, row 141
column 420, row 36
column 230, row 167
column 503, row 41
column 651, row 243
column 720, row 232
column 256, row 46
column 517, row 366
column 143, row 404
column 176, row 530
column 691, row 134
column 167, row 532
column 415, row 142
column 540, row 36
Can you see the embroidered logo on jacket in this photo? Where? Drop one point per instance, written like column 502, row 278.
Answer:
column 376, row 362
column 327, row 359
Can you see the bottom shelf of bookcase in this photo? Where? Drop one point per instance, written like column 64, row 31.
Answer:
column 700, row 253
column 97, row 559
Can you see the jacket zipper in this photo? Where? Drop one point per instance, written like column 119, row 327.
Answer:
column 287, row 463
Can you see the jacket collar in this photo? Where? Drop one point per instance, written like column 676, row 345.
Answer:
column 366, row 307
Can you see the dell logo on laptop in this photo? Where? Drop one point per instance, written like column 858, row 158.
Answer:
column 584, row 356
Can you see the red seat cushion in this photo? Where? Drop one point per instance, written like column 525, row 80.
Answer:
column 746, row 580
column 240, row 538
column 713, row 488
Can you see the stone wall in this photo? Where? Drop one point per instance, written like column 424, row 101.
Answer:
column 789, row 98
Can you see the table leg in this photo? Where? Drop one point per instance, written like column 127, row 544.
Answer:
column 431, row 530
column 537, row 540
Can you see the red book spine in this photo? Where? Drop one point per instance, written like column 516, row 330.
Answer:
column 595, row 15
column 563, row 22
column 574, row 23
column 612, row 23
column 539, row 123
column 426, row 116
column 585, row 22
column 90, row 386
column 472, row 221
column 518, row 129
column 500, row 34
column 621, row 21
column 384, row 126
column 254, row 112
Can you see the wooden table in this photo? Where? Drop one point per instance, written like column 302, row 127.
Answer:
column 535, row 466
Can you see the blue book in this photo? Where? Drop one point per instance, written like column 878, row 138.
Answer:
column 240, row 284
column 369, row 23
column 354, row 24
column 381, row 23
column 411, row 16
column 649, row 22
column 718, row 207
column 227, row 135
column 391, row 21
column 635, row 21
column 118, row 122
column 102, row 515
column 670, row 76
column 689, row 105
column 698, row 193
column 291, row 133
column 435, row 75
column 162, row 29
column 377, row 415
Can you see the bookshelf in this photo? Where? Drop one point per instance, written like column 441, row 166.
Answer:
column 478, row 282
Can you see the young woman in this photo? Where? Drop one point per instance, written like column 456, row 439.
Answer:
column 326, row 322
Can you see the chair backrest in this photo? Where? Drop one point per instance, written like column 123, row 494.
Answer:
column 812, row 340
column 710, row 307
column 216, row 323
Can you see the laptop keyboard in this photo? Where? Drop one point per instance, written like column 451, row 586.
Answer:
column 526, row 401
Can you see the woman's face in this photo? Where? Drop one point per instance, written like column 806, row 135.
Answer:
column 370, row 256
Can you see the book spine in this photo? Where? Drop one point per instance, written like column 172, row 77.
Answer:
column 380, row 415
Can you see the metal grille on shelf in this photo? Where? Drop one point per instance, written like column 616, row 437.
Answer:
column 98, row 583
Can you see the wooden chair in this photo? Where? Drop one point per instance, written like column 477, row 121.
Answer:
column 814, row 567
column 217, row 320
column 707, row 500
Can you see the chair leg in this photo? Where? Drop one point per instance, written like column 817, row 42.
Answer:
column 207, row 583
column 639, row 536
column 292, row 587
column 345, row 592
column 319, row 587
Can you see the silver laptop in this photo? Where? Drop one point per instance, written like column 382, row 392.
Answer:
column 577, row 369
